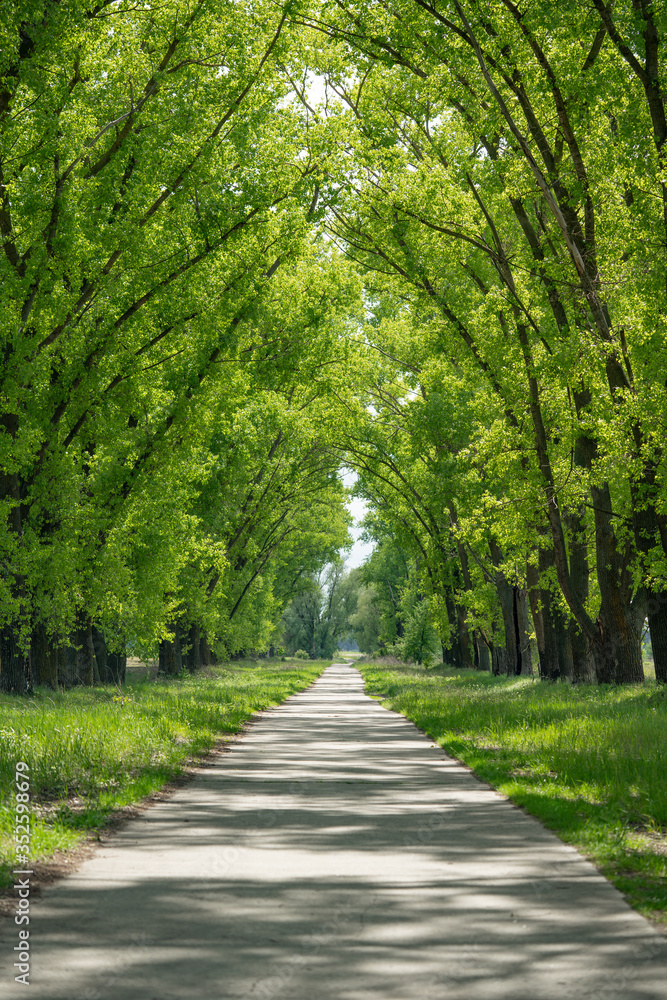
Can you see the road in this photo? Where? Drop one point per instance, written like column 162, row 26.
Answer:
column 334, row 853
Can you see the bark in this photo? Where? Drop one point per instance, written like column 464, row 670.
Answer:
column 465, row 654
column 512, row 655
column 101, row 656
column 499, row 663
column 167, row 660
column 618, row 656
column 543, row 608
column 44, row 657
column 552, row 662
column 85, row 659
column 15, row 670
column 524, row 665
column 469, row 654
column 15, row 674
column 194, row 653
column 482, row 655
column 454, row 653
column 67, row 666
column 563, row 643
column 55, row 656
column 460, row 653
column 583, row 668
column 583, row 663
column 547, row 663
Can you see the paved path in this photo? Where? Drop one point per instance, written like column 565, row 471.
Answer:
column 335, row 854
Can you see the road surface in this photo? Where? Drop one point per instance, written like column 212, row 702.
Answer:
column 335, row 853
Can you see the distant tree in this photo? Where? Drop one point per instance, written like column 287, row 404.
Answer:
column 318, row 618
column 366, row 620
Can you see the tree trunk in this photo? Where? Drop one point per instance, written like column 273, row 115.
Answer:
column 465, row 653
column 618, row 655
column 546, row 666
column 55, row 658
column 205, row 651
column 563, row 643
column 15, row 670
column 168, row 662
column 100, row 649
column 616, row 648
column 68, row 666
column 481, row 659
column 85, row 665
column 455, row 651
column 44, row 663
column 583, row 664
column 524, row 664
column 194, row 653
column 552, row 663
column 469, row 655
column 499, row 661
column 541, row 604
column 544, row 610
column 583, row 667
column 483, row 653
column 511, row 659
column 15, row 675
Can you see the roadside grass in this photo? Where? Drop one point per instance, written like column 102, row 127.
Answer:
column 92, row 751
column 588, row 761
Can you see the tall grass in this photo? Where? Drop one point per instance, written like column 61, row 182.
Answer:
column 589, row 761
column 91, row 751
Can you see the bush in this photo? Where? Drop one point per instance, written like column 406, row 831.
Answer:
column 301, row 654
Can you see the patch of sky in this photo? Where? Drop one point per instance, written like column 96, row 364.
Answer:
column 360, row 550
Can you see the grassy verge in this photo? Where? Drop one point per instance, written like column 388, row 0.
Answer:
column 589, row 762
column 92, row 751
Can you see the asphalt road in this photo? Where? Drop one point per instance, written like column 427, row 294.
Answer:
column 333, row 853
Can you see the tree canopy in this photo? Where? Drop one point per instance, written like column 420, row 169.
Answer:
column 244, row 249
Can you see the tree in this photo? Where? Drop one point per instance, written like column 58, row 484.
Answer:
column 149, row 196
column 318, row 617
column 517, row 254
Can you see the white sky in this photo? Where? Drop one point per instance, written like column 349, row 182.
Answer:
column 360, row 551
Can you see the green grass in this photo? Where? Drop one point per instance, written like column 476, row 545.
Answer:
column 588, row 761
column 91, row 751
